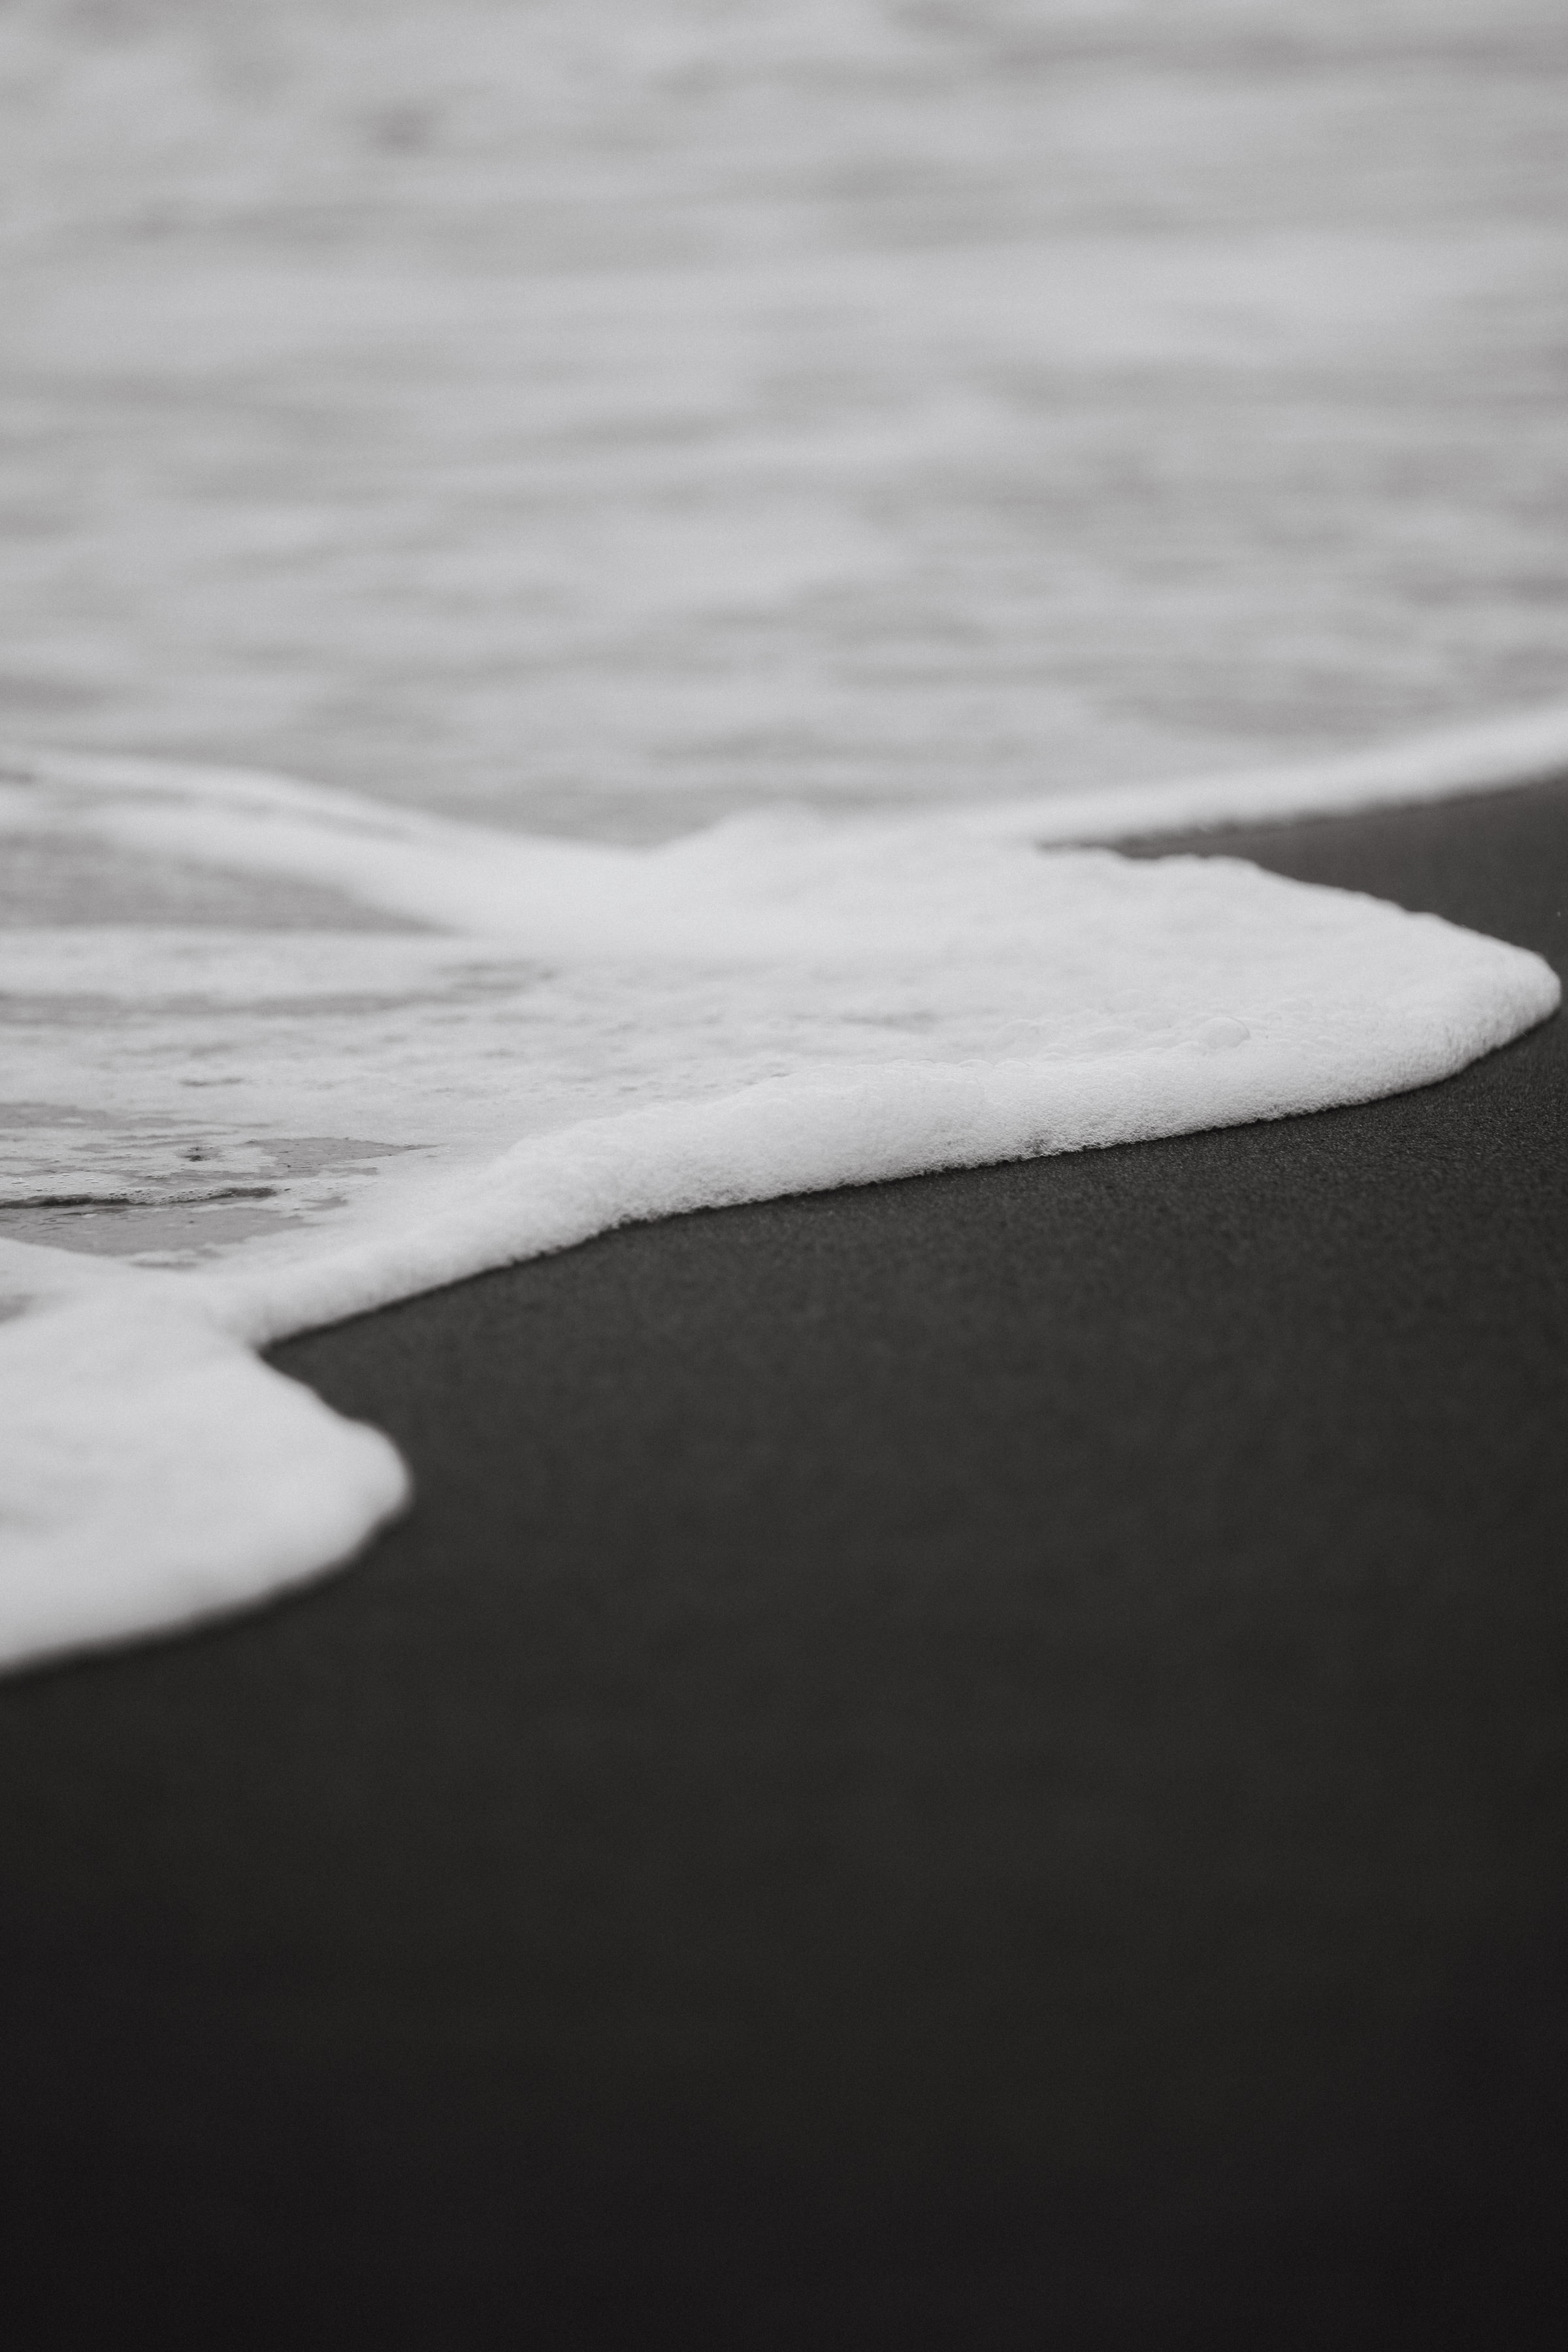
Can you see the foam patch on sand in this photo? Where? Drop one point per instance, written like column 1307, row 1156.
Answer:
column 216, row 1137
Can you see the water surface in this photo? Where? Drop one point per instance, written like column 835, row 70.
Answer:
column 598, row 414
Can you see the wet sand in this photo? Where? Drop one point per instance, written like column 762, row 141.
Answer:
column 977, row 1761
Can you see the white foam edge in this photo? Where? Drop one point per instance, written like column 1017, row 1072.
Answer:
column 159, row 1475
column 169, row 1477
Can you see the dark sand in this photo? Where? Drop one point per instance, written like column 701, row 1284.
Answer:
column 977, row 1763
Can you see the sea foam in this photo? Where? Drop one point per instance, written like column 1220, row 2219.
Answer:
column 215, row 1137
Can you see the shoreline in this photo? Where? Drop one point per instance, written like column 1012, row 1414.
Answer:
column 979, row 1756
column 769, row 1008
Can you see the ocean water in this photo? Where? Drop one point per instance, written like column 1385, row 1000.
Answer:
column 595, row 415
column 726, row 505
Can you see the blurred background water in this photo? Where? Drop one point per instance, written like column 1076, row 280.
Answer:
column 600, row 414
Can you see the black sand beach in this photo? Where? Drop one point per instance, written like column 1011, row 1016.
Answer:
column 978, row 1762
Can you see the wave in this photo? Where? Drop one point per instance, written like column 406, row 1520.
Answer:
column 220, row 1136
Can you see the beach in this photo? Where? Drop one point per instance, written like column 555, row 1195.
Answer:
column 973, row 1759
column 781, row 1539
